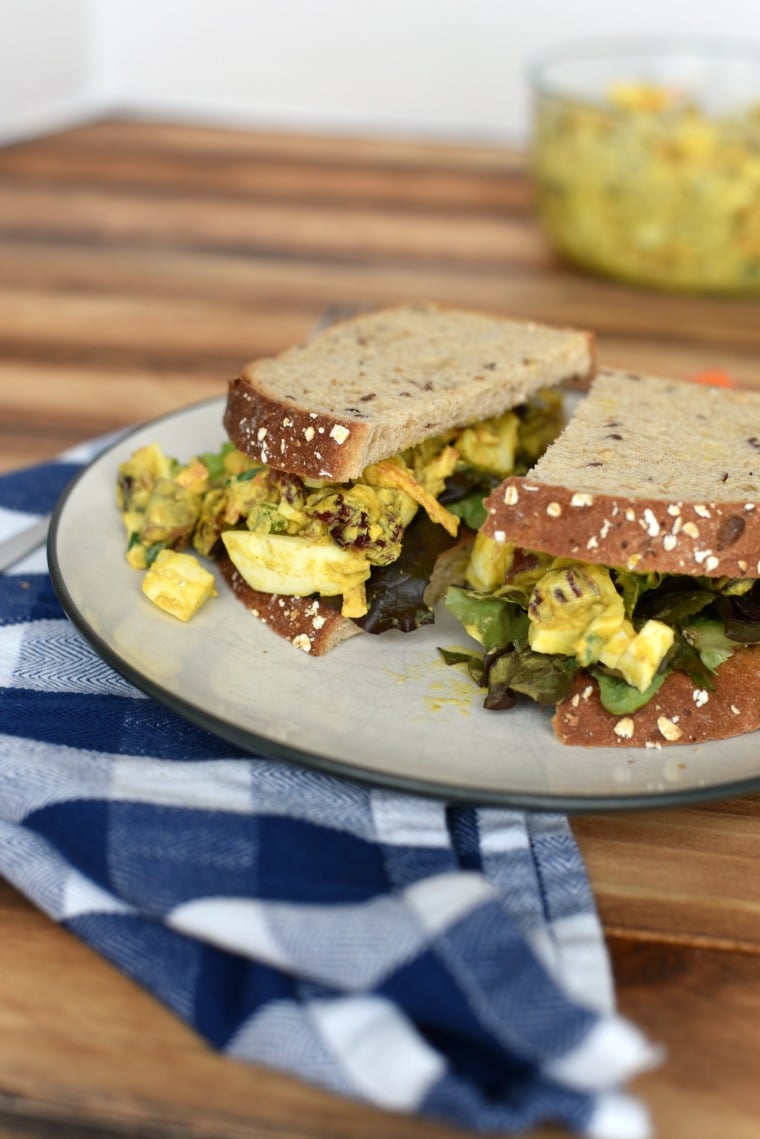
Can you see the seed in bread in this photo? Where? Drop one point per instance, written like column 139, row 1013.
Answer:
column 369, row 387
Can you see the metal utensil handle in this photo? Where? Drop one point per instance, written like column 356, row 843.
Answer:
column 13, row 549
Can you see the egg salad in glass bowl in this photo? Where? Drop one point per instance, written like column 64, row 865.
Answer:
column 646, row 161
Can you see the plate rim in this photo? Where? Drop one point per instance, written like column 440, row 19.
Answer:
column 263, row 747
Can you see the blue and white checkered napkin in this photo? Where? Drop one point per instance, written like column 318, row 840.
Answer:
column 419, row 956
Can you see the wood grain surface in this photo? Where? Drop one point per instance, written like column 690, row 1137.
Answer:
column 140, row 266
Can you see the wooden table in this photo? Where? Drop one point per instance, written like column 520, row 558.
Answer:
column 139, row 266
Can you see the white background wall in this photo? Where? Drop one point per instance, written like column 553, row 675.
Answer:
column 47, row 64
column 441, row 68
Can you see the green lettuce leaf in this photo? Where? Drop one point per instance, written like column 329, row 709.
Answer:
column 506, row 670
column 673, row 602
column 214, row 460
column 395, row 592
column 708, row 637
column 621, row 698
column 544, row 677
column 493, row 621
column 470, row 509
column 631, row 586
column 686, row 658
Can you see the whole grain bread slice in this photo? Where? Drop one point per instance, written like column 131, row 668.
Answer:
column 649, row 474
column 368, row 387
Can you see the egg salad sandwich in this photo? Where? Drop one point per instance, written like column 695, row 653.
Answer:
column 619, row 579
column 373, row 444
column 356, row 467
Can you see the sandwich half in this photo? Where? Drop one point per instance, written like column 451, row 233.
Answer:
column 350, row 488
column 367, row 446
column 619, row 579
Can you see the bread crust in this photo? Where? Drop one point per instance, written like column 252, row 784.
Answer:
column 713, row 539
column 308, row 623
column 680, row 713
column 307, row 443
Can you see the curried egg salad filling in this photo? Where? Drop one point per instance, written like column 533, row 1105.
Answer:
column 301, row 536
column 541, row 619
column 649, row 186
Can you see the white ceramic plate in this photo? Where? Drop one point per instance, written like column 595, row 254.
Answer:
column 384, row 709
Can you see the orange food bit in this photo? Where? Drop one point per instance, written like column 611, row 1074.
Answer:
column 714, row 377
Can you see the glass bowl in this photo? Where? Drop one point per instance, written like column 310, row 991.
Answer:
column 646, row 159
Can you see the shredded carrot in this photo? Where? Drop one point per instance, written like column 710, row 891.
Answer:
column 389, row 473
column 714, row 377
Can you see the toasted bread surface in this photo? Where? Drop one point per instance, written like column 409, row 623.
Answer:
column 369, row 387
column 650, row 474
column 680, row 713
